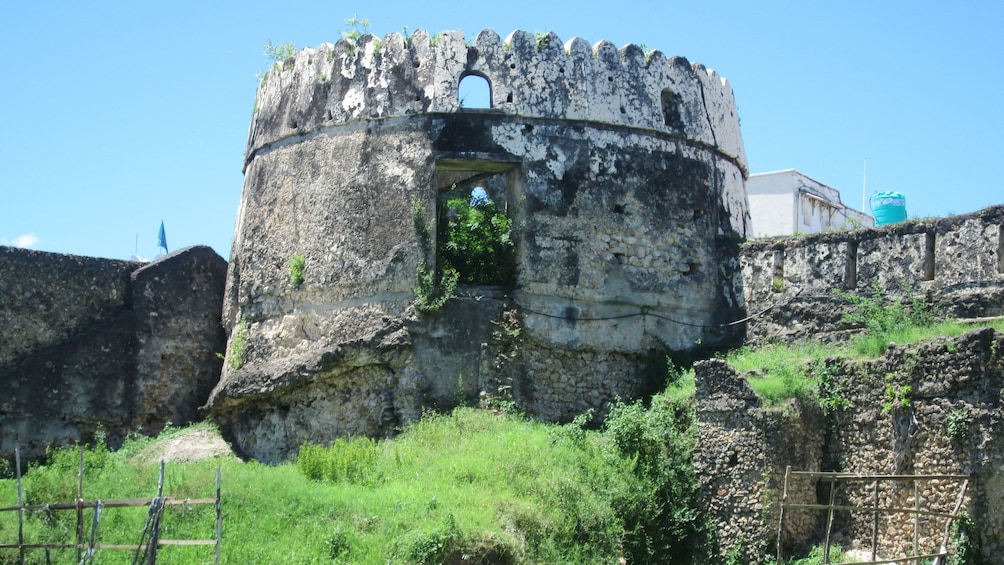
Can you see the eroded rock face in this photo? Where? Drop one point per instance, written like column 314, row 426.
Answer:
column 99, row 343
column 623, row 175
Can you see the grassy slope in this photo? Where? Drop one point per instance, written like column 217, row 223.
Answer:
column 474, row 483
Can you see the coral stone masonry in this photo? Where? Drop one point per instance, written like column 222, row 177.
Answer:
column 622, row 173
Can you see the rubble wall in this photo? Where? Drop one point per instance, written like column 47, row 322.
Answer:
column 948, row 422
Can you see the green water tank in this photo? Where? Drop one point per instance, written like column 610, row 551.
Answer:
column 888, row 208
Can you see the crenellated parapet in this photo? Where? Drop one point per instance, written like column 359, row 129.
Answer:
column 618, row 183
column 530, row 76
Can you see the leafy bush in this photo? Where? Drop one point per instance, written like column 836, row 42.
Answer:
column 296, row 264
column 661, row 520
column 479, row 241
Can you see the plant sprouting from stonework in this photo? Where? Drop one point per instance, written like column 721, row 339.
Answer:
column 357, row 28
column 237, row 346
column 958, row 424
column 433, row 288
column 896, row 396
column 276, row 55
column 543, row 40
column 296, row 264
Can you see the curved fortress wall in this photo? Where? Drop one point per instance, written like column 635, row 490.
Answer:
column 623, row 173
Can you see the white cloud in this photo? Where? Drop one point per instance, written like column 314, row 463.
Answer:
column 26, row 241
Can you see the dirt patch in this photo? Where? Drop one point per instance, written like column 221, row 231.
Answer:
column 189, row 445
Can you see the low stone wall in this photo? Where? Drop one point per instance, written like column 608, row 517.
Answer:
column 743, row 448
column 98, row 343
column 956, row 263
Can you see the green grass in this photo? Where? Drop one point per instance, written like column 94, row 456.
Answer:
column 792, row 370
column 473, row 483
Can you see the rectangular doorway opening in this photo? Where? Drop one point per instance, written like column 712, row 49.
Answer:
column 476, row 221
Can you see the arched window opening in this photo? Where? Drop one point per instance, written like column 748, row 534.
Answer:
column 475, row 92
column 671, row 110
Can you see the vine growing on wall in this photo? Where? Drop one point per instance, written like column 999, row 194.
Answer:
column 234, row 357
column 433, row 287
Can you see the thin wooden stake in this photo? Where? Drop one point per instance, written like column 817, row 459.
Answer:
column 916, row 518
column 875, row 520
column 829, row 522
column 20, row 503
column 155, row 525
column 780, row 522
column 80, row 498
column 948, row 523
column 219, row 517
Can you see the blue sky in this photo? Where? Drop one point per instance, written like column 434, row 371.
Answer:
column 117, row 115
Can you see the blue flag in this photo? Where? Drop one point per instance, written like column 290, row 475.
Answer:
column 161, row 238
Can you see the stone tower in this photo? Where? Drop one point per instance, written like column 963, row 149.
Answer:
column 619, row 177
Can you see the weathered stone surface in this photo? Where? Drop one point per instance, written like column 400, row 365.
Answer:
column 956, row 264
column 122, row 346
column 623, row 174
column 47, row 297
column 743, row 449
column 740, row 459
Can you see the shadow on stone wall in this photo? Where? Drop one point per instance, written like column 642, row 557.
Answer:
column 94, row 344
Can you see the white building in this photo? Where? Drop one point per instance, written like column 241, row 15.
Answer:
column 788, row 202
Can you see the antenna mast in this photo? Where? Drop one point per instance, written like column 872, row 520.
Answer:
column 864, row 183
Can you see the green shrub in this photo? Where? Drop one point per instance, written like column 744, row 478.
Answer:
column 296, row 264
column 830, row 390
column 884, row 320
column 661, row 520
column 958, row 424
column 478, row 242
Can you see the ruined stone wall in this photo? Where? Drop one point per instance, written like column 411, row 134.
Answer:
column 743, row 448
column 740, row 458
column 956, row 263
column 622, row 172
column 92, row 343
